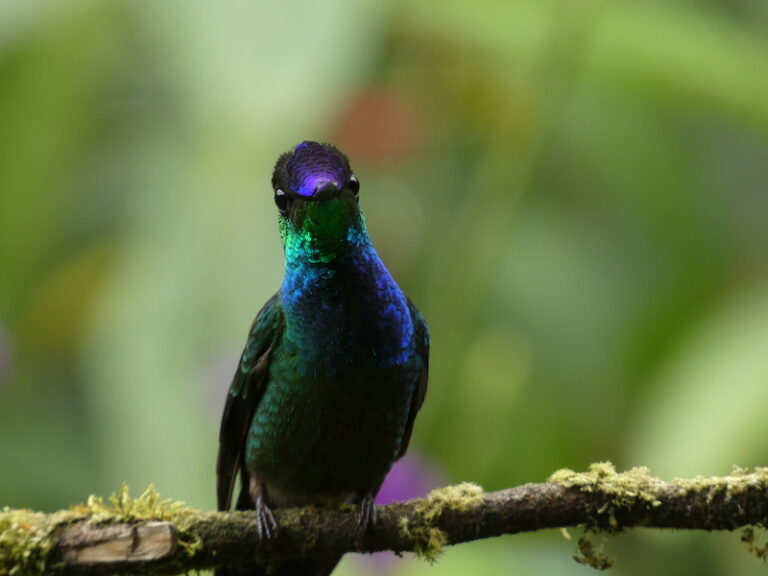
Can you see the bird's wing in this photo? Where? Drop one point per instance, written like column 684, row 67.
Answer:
column 245, row 393
column 421, row 336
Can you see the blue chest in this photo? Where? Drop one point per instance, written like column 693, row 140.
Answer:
column 348, row 316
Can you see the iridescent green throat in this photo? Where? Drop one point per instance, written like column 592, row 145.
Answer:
column 321, row 231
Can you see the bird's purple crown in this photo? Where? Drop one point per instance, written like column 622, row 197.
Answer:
column 310, row 165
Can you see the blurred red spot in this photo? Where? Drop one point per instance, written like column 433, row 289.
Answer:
column 377, row 127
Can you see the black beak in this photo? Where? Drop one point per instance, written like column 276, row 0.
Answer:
column 326, row 190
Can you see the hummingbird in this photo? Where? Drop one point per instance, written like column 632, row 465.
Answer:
column 335, row 365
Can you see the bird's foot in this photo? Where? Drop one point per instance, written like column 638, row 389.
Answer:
column 366, row 516
column 265, row 520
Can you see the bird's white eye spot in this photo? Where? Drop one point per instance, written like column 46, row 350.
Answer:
column 354, row 184
column 281, row 201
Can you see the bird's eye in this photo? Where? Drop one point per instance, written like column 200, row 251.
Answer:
column 354, row 185
column 281, row 201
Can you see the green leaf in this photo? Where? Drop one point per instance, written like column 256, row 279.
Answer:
column 707, row 409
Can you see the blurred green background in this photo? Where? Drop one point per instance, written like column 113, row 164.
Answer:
column 574, row 192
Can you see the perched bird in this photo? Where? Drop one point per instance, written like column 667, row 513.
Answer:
column 335, row 366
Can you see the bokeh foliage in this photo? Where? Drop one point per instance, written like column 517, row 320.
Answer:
column 575, row 192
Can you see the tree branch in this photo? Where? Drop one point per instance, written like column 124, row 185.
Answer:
column 149, row 536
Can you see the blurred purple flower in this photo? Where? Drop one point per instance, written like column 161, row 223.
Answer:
column 413, row 476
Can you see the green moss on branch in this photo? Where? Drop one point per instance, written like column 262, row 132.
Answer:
column 149, row 535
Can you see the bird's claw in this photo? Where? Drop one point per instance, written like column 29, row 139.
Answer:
column 366, row 516
column 265, row 520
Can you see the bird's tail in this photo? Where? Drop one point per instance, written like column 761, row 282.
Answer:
column 310, row 567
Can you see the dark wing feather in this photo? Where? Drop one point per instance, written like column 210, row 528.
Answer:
column 244, row 396
column 421, row 336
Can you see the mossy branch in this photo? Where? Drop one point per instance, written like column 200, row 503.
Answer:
column 149, row 536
